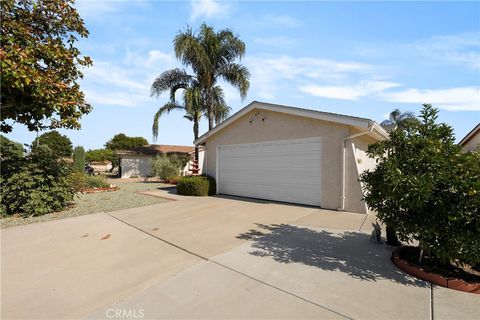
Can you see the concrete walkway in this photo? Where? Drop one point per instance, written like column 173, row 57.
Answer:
column 213, row 258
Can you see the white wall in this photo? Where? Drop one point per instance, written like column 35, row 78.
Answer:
column 135, row 165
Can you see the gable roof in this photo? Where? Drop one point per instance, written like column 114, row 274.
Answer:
column 307, row 113
column 470, row 135
column 153, row 149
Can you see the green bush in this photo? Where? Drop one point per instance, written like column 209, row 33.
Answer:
column 163, row 167
column 81, row 181
column 35, row 185
column 79, row 159
column 197, row 186
column 427, row 189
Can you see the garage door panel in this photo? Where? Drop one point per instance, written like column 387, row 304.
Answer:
column 288, row 170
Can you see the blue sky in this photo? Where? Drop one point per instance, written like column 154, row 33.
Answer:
column 356, row 58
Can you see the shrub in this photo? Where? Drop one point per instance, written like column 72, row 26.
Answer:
column 79, row 159
column 81, row 181
column 196, row 186
column 164, row 168
column 35, row 185
column 427, row 189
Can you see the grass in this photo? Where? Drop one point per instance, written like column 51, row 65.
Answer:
column 126, row 197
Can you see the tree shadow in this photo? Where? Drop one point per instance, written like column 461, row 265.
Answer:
column 169, row 189
column 350, row 252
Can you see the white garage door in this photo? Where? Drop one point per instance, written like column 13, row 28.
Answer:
column 287, row 170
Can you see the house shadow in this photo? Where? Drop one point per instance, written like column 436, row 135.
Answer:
column 349, row 252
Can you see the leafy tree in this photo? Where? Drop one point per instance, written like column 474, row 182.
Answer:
column 398, row 120
column 9, row 148
column 100, row 155
column 35, row 185
column 193, row 102
column 79, row 159
column 40, row 65
column 212, row 57
column 427, row 189
column 123, row 142
column 59, row 144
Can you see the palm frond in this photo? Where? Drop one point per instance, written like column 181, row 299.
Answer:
column 189, row 50
column 166, row 108
column 168, row 80
column 237, row 75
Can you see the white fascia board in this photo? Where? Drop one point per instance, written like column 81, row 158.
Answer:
column 313, row 114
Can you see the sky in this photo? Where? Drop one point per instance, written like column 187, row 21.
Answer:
column 355, row 58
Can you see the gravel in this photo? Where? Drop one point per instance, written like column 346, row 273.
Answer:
column 126, row 197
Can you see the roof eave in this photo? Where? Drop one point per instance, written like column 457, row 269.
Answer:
column 347, row 120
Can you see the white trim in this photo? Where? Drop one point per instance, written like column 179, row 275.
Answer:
column 319, row 115
column 217, row 180
column 469, row 135
column 354, row 150
column 271, row 141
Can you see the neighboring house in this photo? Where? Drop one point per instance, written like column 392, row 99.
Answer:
column 289, row 154
column 136, row 162
column 471, row 142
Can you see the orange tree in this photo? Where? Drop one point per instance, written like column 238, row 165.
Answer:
column 40, row 64
column 427, row 189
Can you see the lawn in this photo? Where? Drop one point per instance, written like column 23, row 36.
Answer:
column 126, row 197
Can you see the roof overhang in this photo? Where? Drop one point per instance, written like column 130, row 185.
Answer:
column 358, row 122
column 470, row 135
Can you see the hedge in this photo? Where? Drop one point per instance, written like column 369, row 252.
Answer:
column 196, row 186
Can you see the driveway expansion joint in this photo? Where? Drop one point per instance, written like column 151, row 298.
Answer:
column 233, row 270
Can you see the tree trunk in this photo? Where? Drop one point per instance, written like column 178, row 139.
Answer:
column 195, row 135
column 211, row 116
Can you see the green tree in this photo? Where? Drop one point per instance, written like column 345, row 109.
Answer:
column 398, row 120
column 427, row 189
column 79, row 159
column 193, row 104
column 9, row 148
column 99, row 155
column 40, row 65
column 212, row 56
column 35, row 185
column 59, row 144
column 123, row 142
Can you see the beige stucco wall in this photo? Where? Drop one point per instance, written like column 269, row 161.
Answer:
column 279, row 126
column 472, row 144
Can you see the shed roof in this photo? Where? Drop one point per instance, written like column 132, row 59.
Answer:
column 154, row 149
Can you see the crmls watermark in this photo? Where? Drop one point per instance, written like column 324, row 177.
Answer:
column 125, row 313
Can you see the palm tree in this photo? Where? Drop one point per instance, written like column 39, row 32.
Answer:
column 398, row 120
column 193, row 101
column 212, row 57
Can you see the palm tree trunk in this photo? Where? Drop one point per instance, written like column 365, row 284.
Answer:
column 195, row 135
column 210, row 111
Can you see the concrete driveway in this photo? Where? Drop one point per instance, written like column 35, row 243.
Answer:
column 213, row 258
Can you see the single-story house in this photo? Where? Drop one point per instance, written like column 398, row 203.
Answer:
column 471, row 142
column 136, row 162
column 289, row 154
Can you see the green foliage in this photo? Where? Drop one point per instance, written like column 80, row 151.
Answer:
column 398, row 120
column 81, row 181
column 212, row 57
column 10, row 148
column 58, row 143
column 427, row 189
column 100, row 155
column 196, row 186
column 40, row 65
column 79, row 159
column 163, row 167
column 123, row 142
column 35, row 185
column 179, row 161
